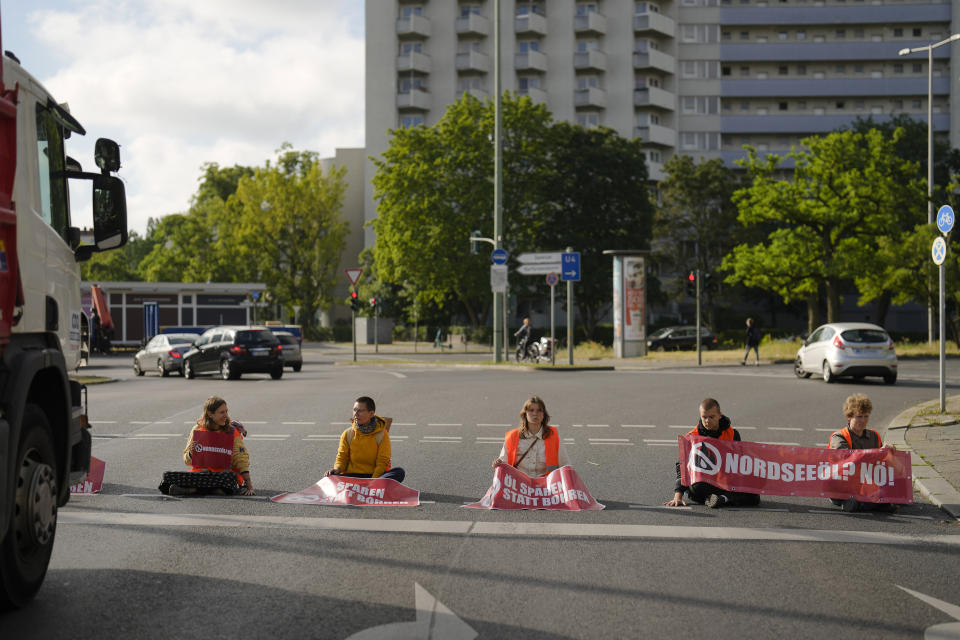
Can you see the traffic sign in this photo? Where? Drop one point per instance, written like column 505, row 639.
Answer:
column 552, row 279
column 939, row 250
column 539, row 258
column 538, row 269
column 945, row 219
column 498, row 278
column 499, row 256
column 353, row 274
column 570, row 270
column 255, row 295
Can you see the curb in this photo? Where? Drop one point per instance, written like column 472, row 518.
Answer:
column 926, row 479
column 89, row 380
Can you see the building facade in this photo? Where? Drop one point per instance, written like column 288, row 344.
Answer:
column 697, row 77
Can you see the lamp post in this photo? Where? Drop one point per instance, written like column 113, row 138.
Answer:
column 929, row 49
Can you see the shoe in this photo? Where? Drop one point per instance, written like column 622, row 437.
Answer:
column 850, row 505
column 715, row 501
column 758, row 363
column 175, row 490
column 743, row 364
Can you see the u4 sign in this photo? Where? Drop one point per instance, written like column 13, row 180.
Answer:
column 570, row 266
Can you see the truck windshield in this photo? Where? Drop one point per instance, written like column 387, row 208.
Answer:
column 54, row 199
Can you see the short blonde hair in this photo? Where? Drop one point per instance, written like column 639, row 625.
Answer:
column 857, row 404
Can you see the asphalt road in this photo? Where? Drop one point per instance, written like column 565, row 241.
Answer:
column 131, row 562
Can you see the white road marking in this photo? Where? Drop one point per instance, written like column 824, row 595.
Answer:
column 341, row 423
column 598, row 425
column 490, row 424
column 69, row 516
column 576, row 425
column 396, row 374
column 639, row 426
column 103, row 422
column 757, row 509
column 141, row 422
column 268, row 436
column 746, row 428
column 441, row 424
column 392, row 438
column 902, row 515
column 158, row 435
column 608, row 439
column 298, row 423
column 442, row 438
column 399, row 424
column 661, row 444
column 493, row 440
column 652, row 440
column 828, row 430
column 785, row 429
column 162, row 422
column 246, row 422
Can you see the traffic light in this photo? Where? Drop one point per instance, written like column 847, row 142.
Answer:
column 373, row 303
column 691, row 284
column 473, row 242
column 354, row 303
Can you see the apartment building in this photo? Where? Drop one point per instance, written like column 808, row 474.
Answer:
column 698, row 77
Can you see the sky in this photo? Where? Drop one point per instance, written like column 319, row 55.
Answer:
column 179, row 83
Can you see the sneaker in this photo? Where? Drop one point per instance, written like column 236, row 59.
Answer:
column 715, row 501
column 176, row 490
column 850, row 505
column 743, row 364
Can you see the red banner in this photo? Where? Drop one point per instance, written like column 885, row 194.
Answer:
column 93, row 483
column 360, row 492
column 561, row 490
column 869, row 475
column 214, row 449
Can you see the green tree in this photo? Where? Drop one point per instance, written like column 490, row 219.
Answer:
column 696, row 221
column 118, row 266
column 847, row 190
column 289, row 232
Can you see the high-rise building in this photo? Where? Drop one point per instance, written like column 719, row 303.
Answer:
column 698, row 77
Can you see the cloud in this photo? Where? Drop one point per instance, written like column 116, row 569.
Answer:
column 180, row 83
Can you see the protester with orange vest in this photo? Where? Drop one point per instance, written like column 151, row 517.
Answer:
column 857, row 409
column 216, row 454
column 540, row 451
column 364, row 450
column 713, row 424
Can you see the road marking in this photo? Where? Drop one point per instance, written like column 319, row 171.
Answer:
column 68, row 516
column 493, row 440
column 298, row 423
column 667, row 441
column 785, row 429
column 441, row 424
column 324, row 437
column 103, row 422
column 341, row 423
column 576, row 425
column 162, row 422
column 830, row 430
column 140, row 422
column 608, row 439
column 400, row 424
column 396, row 374
column 490, row 424
column 598, row 425
column 639, row 426
column 246, row 422
column 757, row 509
column 159, row 435
column 392, row 438
column 903, row 515
column 443, row 438
column 747, row 428
column 661, row 444
column 268, row 436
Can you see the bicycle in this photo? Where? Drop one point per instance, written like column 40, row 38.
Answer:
column 529, row 352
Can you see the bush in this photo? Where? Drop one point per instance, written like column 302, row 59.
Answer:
column 318, row 334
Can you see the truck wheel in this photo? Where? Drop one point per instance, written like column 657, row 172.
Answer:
column 26, row 548
column 161, row 369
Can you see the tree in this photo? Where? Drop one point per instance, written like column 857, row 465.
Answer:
column 847, row 189
column 697, row 218
column 289, row 232
column 118, row 266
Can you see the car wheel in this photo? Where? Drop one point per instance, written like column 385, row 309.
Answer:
column 277, row 373
column 227, row 371
column 890, row 378
column 188, row 371
column 161, row 369
column 298, row 366
column 798, row 369
column 828, row 376
column 136, row 367
column 28, row 540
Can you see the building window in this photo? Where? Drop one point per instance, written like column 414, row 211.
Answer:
column 858, row 68
column 744, row 71
column 859, row 34
column 410, row 121
column 586, row 8
column 858, row 105
column 898, row 33
column 525, row 46
column 406, row 48
column 917, row 67
column 725, row 70
column 802, row 105
column 466, row 10
column 471, row 82
column 525, row 83
column 744, row 106
column 406, row 11
column 917, row 32
column 782, row 35
column 412, row 83
column 840, row 69
column 840, row 105
column 782, row 70
column 584, row 46
column 744, row 35
column 526, row 8
column 725, row 35
column 916, row 104
column 643, row 8
column 898, row 68
column 588, row 119
column 782, row 106
column 801, row 35
column 588, row 82
column 467, row 46
column 801, row 69
column 840, row 34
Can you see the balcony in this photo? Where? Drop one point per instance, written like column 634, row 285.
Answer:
column 413, row 26
column 590, row 23
column 810, row 124
column 536, row 95
column 414, row 61
column 654, row 59
column 532, row 23
column 415, row 100
column 836, row 15
column 654, row 23
column 656, row 134
column 590, row 61
column 530, row 61
column 832, row 87
column 473, row 25
column 831, row 52
column 592, row 97
column 655, row 97
column 473, row 61
column 479, row 94
column 655, row 171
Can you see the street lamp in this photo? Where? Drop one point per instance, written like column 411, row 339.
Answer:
column 929, row 49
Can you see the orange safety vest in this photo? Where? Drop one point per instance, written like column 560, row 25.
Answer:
column 726, row 434
column 845, row 432
column 551, row 442
column 219, row 460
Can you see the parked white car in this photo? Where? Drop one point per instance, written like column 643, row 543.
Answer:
column 847, row 349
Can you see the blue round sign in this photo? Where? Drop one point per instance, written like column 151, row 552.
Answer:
column 552, row 279
column 945, row 218
column 499, row 256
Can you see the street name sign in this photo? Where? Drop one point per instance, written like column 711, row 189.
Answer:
column 570, row 263
column 538, row 269
column 498, row 278
column 552, row 257
column 499, row 256
column 945, row 219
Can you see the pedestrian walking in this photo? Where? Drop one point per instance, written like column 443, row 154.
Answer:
column 753, row 341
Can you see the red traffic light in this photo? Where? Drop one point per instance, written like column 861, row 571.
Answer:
column 692, row 277
column 353, row 295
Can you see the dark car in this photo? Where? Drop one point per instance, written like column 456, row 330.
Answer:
column 163, row 354
column 292, row 356
column 675, row 338
column 233, row 351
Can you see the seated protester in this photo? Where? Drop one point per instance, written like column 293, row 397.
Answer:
column 857, row 409
column 541, row 450
column 365, row 445
column 216, row 454
column 713, row 424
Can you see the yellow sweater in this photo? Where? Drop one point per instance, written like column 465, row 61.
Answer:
column 362, row 455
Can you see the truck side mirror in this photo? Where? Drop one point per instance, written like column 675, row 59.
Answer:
column 109, row 216
column 106, row 154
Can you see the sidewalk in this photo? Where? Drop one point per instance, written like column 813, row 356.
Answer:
column 934, row 442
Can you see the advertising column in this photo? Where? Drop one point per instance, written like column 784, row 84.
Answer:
column 629, row 303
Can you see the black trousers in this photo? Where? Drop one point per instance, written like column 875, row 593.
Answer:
column 700, row 491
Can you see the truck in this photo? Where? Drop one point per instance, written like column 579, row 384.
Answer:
column 44, row 433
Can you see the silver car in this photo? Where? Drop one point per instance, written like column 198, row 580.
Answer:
column 847, row 349
column 163, row 354
column 290, row 345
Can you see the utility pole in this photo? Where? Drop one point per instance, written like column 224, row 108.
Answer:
column 499, row 299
